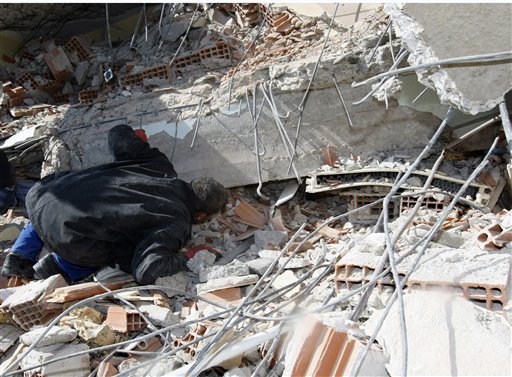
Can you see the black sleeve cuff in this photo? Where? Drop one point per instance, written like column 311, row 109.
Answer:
column 16, row 265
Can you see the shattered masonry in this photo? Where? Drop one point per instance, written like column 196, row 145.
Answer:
column 299, row 100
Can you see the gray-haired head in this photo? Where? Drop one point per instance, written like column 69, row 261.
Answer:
column 211, row 194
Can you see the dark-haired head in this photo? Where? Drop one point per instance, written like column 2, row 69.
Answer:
column 212, row 196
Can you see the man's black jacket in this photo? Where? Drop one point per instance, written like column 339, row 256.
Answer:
column 134, row 211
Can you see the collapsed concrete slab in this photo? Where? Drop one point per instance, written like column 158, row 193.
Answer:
column 449, row 31
column 205, row 124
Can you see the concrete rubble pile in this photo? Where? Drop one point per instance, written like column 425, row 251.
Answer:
column 385, row 260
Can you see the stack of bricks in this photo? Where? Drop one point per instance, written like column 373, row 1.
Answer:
column 124, row 320
column 283, row 22
column 76, row 46
column 249, row 13
column 209, row 58
column 216, row 56
column 490, row 289
column 135, row 79
column 27, row 306
column 16, row 94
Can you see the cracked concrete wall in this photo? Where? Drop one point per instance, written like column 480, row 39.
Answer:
column 452, row 30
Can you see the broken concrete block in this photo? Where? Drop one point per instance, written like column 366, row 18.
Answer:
column 9, row 334
column 293, row 263
column 28, row 305
column 124, row 320
column 202, row 260
column 437, row 322
column 158, row 368
column 159, row 316
column 81, row 71
column 177, row 281
column 56, row 334
column 59, row 64
column 450, row 239
column 265, row 238
column 171, row 32
column 374, row 243
column 287, row 278
column 227, row 282
column 260, row 265
column 235, row 268
column 73, row 366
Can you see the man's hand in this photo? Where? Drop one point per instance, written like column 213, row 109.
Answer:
column 16, row 265
column 196, row 249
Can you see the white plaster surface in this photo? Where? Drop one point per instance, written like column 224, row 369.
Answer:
column 446, row 336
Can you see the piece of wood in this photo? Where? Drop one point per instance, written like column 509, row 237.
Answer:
column 247, row 214
column 81, row 291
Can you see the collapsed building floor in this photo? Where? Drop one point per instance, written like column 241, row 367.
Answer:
column 368, row 229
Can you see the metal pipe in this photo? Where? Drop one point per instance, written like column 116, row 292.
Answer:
column 342, row 101
column 378, row 43
column 473, row 131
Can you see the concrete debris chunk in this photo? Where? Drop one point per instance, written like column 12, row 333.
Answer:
column 73, row 366
column 56, row 334
column 178, row 281
column 160, row 316
column 260, row 265
column 445, row 334
column 199, row 262
column 235, row 268
column 9, row 334
column 293, row 263
column 285, row 279
column 268, row 238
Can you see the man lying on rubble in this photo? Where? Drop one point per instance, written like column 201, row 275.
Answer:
column 134, row 212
